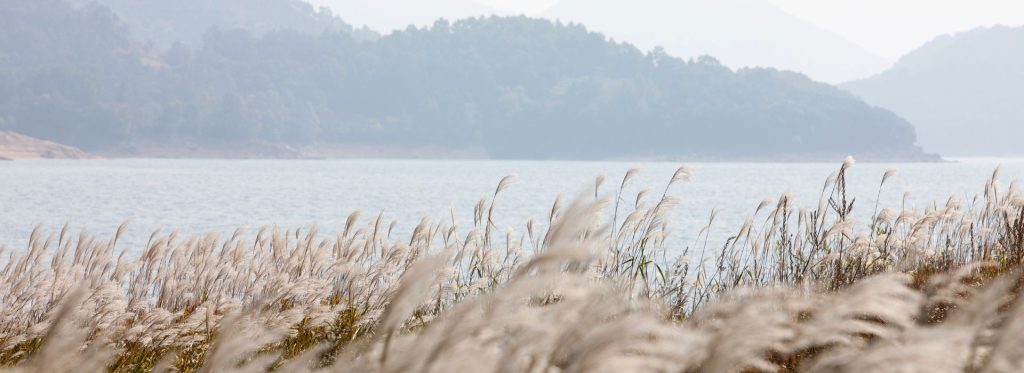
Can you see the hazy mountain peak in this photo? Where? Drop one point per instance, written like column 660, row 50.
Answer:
column 958, row 90
column 987, row 41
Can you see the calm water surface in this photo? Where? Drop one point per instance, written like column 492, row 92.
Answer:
column 199, row 196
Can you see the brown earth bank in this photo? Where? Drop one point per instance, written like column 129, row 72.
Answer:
column 15, row 146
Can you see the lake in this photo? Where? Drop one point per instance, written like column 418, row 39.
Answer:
column 199, row 196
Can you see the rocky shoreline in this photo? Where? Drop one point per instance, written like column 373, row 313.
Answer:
column 15, row 146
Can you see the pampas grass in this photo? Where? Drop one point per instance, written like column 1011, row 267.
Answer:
column 592, row 288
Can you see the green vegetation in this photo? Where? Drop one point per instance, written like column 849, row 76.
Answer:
column 500, row 87
column 794, row 289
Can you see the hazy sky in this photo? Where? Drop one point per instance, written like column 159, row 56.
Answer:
column 887, row 28
column 520, row 6
column 890, row 28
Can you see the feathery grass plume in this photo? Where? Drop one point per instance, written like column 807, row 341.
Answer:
column 848, row 162
column 236, row 348
column 572, row 235
column 635, row 342
column 66, row 347
column 411, row 293
column 502, row 185
column 877, row 308
column 744, row 327
column 598, row 181
column 468, row 330
column 683, row 173
column 888, row 174
column 792, row 289
column 1006, row 353
column 885, row 177
column 632, row 172
column 961, row 343
column 918, row 350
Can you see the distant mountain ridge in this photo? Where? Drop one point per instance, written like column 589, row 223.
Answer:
column 737, row 32
column 388, row 15
column 186, row 21
column 753, row 33
column 963, row 92
column 740, row 33
column 500, row 87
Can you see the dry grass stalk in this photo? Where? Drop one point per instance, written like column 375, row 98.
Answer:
column 793, row 290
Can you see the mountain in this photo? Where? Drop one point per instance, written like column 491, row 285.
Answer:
column 964, row 92
column 737, row 32
column 510, row 87
column 165, row 22
column 388, row 15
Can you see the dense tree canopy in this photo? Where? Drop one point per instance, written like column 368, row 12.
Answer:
column 514, row 87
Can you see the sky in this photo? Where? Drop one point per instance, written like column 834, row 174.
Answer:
column 888, row 28
column 891, row 28
column 884, row 28
column 520, row 6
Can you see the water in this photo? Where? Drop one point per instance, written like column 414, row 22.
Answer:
column 199, row 196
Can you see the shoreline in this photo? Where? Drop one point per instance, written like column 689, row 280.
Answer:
column 468, row 156
column 613, row 160
column 14, row 146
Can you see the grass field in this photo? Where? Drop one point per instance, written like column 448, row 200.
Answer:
column 591, row 287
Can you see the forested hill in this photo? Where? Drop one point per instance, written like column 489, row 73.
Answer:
column 497, row 87
column 737, row 32
column 165, row 22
